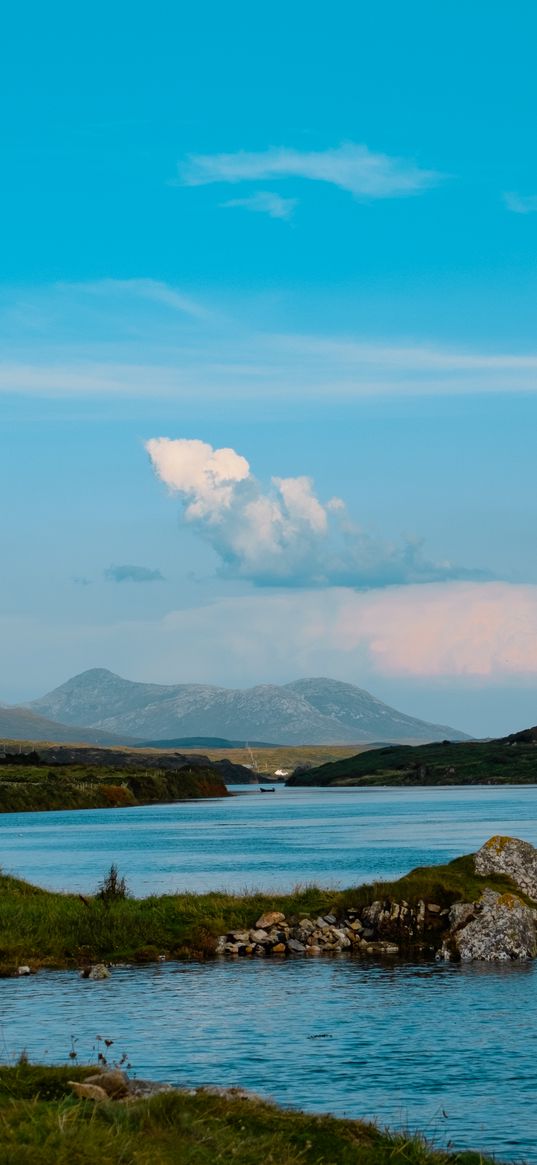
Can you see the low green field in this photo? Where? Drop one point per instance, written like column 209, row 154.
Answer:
column 41, row 1123
column 42, row 928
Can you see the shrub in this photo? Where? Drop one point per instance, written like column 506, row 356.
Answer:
column 112, row 888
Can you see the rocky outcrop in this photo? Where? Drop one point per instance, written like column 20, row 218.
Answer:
column 512, row 857
column 382, row 928
column 497, row 928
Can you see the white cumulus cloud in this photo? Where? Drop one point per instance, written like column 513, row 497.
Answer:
column 283, row 535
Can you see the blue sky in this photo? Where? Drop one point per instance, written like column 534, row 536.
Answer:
column 308, row 237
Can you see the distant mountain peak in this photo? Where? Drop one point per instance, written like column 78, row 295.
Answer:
column 314, row 710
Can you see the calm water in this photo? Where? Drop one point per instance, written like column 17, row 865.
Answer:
column 336, row 837
column 400, row 1043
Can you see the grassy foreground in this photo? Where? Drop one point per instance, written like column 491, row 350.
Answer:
column 42, row 1124
column 43, row 928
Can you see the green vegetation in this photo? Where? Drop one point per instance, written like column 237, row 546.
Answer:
column 43, row 928
column 512, row 761
column 43, row 1124
column 25, row 787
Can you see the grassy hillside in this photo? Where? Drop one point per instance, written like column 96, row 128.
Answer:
column 269, row 758
column 44, row 1124
column 31, row 786
column 511, row 761
column 45, row 928
column 20, row 724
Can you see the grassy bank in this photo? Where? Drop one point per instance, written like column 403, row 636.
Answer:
column 43, row 928
column 43, row 1124
column 31, row 787
column 512, row 761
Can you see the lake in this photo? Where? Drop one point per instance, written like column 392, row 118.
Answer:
column 449, row 1050
column 335, row 837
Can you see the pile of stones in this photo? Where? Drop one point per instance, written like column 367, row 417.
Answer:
column 273, row 934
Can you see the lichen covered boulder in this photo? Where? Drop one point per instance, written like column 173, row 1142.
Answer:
column 509, row 855
column 497, row 928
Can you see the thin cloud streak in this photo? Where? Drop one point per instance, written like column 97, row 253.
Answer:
column 265, row 202
column 351, row 167
column 127, row 572
column 149, row 289
column 520, row 203
column 172, row 347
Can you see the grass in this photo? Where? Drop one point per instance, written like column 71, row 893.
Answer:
column 42, row 1124
column 482, row 762
column 32, row 787
column 44, row 928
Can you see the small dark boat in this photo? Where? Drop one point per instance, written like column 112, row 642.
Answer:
column 262, row 790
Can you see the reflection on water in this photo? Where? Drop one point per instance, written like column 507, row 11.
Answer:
column 332, row 837
column 402, row 1044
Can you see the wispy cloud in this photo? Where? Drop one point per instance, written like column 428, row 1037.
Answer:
column 138, row 342
column 129, row 573
column 265, row 202
column 521, row 203
column 351, row 167
column 283, row 535
column 149, row 289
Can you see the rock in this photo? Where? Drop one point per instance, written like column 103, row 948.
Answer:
column 239, row 936
column 295, row 947
column 330, row 919
column 221, row 945
column 433, row 908
column 88, row 1091
column 114, row 1083
column 257, row 936
column 372, row 913
column 355, row 924
column 279, row 949
column 307, row 925
column 23, row 970
column 312, row 949
column 509, row 855
column 341, row 938
column 321, row 924
column 500, row 928
column 269, row 919
column 99, row 971
column 460, row 914
column 382, row 948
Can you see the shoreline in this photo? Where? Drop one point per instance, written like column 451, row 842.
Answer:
column 409, row 918
column 97, row 1113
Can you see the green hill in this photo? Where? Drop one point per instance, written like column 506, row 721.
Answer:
column 509, row 761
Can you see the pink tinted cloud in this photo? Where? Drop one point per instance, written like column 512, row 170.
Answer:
column 452, row 629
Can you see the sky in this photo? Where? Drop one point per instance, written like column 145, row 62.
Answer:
column 268, row 369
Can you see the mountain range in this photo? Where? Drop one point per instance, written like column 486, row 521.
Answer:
column 313, row 711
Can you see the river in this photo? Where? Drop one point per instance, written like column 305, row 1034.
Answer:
column 449, row 1050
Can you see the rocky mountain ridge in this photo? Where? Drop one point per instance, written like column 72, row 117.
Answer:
column 319, row 711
